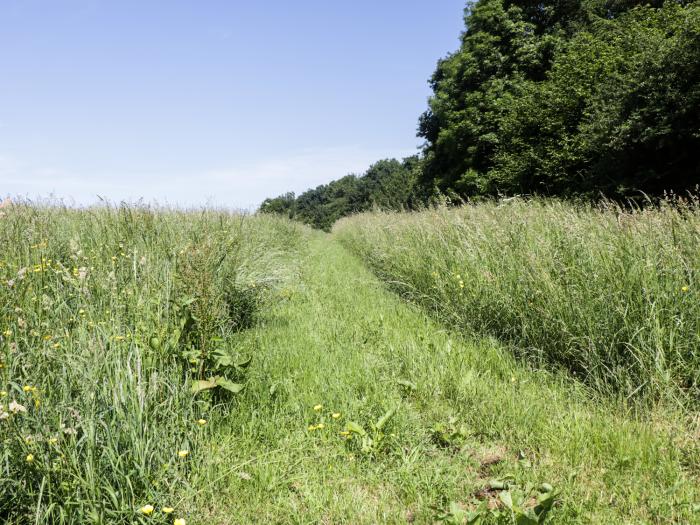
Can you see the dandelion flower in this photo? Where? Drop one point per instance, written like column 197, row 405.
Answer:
column 180, row 521
column 30, row 458
column 312, row 428
column 201, row 422
column 684, row 289
column 146, row 510
column 183, row 453
column 168, row 510
column 28, row 388
column 335, row 415
column 318, row 407
column 320, row 426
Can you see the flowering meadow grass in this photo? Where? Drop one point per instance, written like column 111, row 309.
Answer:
column 179, row 368
column 610, row 295
column 110, row 319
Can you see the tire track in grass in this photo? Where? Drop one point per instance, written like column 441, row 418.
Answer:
column 465, row 414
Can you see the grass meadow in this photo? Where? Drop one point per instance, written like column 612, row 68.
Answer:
column 107, row 317
column 610, row 295
column 513, row 363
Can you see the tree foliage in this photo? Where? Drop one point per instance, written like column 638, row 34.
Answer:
column 387, row 184
column 554, row 97
column 564, row 98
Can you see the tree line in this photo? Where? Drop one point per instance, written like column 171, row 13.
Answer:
column 557, row 97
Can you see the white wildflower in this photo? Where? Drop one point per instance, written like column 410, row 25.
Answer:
column 16, row 408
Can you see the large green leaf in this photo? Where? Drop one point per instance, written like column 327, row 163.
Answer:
column 384, row 419
column 232, row 387
column 216, row 381
column 223, row 359
column 354, row 427
column 198, row 386
column 243, row 362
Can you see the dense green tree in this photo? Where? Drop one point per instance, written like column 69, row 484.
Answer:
column 618, row 112
column 567, row 98
column 282, row 205
column 387, row 184
column 553, row 97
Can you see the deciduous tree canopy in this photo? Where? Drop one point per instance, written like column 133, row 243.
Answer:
column 555, row 97
column 388, row 184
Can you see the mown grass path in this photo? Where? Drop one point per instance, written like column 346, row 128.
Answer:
column 338, row 338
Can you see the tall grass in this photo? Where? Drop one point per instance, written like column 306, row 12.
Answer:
column 107, row 316
column 612, row 295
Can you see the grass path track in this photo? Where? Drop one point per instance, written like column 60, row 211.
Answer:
column 341, row 340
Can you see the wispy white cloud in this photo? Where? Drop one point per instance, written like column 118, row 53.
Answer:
column 241, row 186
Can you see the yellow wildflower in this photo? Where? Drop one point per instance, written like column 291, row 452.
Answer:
column 3, row 393
column 53, row 441
column 180, row 521
column 684, row 289
column 146, row 510
column 183, row 453
column 30, row 458
column 201, row 422
column 7, row 333
column 320, row 426
column 335, row 415
column 318, row 407
column 168, row 510
column 28, row 388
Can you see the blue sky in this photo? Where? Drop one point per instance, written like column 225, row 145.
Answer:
column 210, row 102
